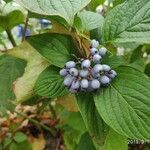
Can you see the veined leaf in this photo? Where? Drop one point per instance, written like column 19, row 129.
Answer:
column 114, row 61
column 55, row 47
column 86, row 142
column 23, row 86
column 10, row 69
column 89, row 21
column 11, row 16
column 115, row 141
column 125, row 104
column 63, row 8
column 128, row 22
column 50, row 83
column 92, row 119
column 147, row 69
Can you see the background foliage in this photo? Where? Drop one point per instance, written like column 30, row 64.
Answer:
column 38, row 37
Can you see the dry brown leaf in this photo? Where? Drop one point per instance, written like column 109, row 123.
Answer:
column 68, row 101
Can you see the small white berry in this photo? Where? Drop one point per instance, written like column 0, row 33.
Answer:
column 84, row 83
column 86, row 64
column 73, row 72
column 104, row 80
column 63, row 72
column 75, row 85
column 70, row 64
column 97, row 68
column 94, row 43
column 106, row 68
column 112, row 74
column 97, row 58
column 84, row 73
column 95, row 84
column 102, row 51
column 95, row 75
column 93, row 51
column 68, row 80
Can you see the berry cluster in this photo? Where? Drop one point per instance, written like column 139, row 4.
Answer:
column 88, row 74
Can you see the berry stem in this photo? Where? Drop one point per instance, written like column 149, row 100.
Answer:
column 78, row 44
column 25, row 28
column 73, row 55
column 11, row 38
column 85, row 37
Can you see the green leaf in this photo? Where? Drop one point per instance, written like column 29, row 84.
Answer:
column 136, row 54
column 96, row 34
column 115, row 141
column 128, row 22
column 75, row 121
column 138, row 64
column 50, row 83
column 23, row 87
column 95, row 3
column 23, row 145
column 73, row 127
column 55, row 47
column 114, row 61
column 89, row 21
column 11, row 16
column 117, row 2
column 125, row 104
column 20, row 137
column 7, row 1
column 147, row 69
column 92, row 119
column 136, row 60
column 65, row 9
column 10, row 69
column 86, row 143
column 71, row 137
column 6, row 142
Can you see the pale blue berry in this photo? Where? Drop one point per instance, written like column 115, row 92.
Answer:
column 75, row 85
column 97, row 58
column 93, row 51
column 94, row 43
column 73, row 72
column 68, row 80
column 97, row 68
column 95, row 75
column 104, row 80
column 70, row 64
column 102, row 51
column 63, row 72
column 106, row 68
column 112, row 74
column 86, row 64
column 95, row 84
column 84, row 73
column 84, row 83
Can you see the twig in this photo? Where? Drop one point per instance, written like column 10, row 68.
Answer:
column 11, row 38
column 25, row 29
column 53, row 132
column 52, row 111
column 85, row 37
column 58, row 144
